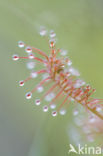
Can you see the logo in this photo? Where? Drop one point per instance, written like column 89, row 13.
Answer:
column 84, row 149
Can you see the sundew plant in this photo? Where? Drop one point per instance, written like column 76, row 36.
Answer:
column 65, row 78
column 60, row 80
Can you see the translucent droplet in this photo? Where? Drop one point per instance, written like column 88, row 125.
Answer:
column 40, row 89
column 34, row 74
column 37, row 102
column 30, row 65
column 52, row 34
column 47, row 98
column 63, row 52
column 52, row 95
column 28, row 95
column 74, row 72
column 79, row 83
column 62, row 111
column 15, row 57
column 21, row 83
column 98, row 109
column 28, row 49
column 21, row 44
column 43, row 31
column 52, row 106
column 45, row 108
column 54, row 113
column 52, row 43
column 31, row 56
column 69, row 63
column 75, row 112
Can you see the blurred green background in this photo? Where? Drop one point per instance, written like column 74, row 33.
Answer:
column 24, row 129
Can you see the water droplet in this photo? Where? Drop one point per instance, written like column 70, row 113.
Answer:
column 63, row 52
column 74, row 72
column 54, row 113
column 37, row 102
column 20, row 44
column 98, row 109
column 28, row 49
column 45, row 108
column 79, row 83
column 34, row 74
column 40, row 89
column 52, row 43
column 62, row 111
column 52, row 34
column 15, row 57
column 28, row 95
column 75, row 112
column 52, row 106
column 43, row 31
column 31, row 56
column 49, row 97
column 30, row 65
column 69, row 63
column 21, row 83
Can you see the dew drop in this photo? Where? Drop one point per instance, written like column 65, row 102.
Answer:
column 75, row 112
column 64, row 52
column 45, row 108
column 37, row 102
column 74, row 72
column 54, row 113
column 62, row 111
column 20, row 44
column 52, row 43
column 43, row 31
column 31, row 56
column 52, row 34
column 30, row 65
column 40, row 89
column 48, row 98
column 52, row 106
column 28, row 95
column 69, row 63
column 98, row 109
column 21, row 83
column 28, row 49
column 79, row 83
column 15, row 57
column 34, row 74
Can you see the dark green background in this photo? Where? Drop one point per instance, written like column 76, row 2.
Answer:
column 24, row 129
